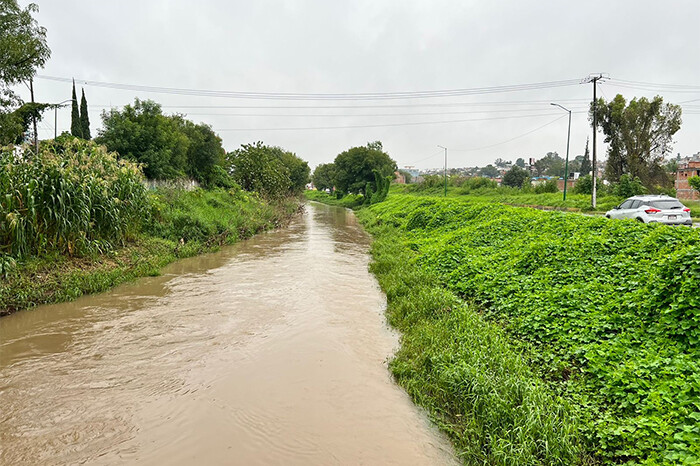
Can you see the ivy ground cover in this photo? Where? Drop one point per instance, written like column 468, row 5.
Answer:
column 605, row 313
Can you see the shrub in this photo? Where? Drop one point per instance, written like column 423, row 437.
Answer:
column 628, row 186
column 550, row 186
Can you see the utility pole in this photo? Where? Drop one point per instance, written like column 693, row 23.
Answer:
column 568, row 138
column 445, row 167
column 594, row 78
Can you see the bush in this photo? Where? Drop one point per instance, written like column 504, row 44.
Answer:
column 628, row 186
column 74, row 197
column 550, row 186
column 515, row 177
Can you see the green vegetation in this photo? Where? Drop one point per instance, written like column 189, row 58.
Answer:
column 358, row 170
column 639, row 133
column 74, row 219
column 270, row 171
column 461, row 368
column 603, row 313
column 351, row 201
column 23, row 50
column 73, row 197
column 168, row 146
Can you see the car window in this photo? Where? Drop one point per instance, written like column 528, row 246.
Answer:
column 635, row 204
column 626, row 204
column 667, row 204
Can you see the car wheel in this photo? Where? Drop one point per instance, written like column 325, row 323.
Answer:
column 639, row 219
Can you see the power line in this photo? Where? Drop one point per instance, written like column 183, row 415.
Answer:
column 314, row 107
column 320, row 96
column 511, row 139
column 382, row 125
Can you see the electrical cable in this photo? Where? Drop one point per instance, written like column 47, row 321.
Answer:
column 511, row 139
column 319, row 96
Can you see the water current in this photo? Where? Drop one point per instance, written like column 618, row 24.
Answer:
column 271, row 351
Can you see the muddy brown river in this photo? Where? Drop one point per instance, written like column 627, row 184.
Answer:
column 272, row 351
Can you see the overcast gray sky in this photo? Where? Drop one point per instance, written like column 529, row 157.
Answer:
column 375, row 46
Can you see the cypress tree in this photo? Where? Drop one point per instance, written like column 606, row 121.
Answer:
column 75, row 127
column 586, row 163
column 84, row 118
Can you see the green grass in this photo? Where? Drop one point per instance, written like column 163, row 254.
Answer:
column 604, row 314
column 351, row 201
column 464, row 370
column 180, row 224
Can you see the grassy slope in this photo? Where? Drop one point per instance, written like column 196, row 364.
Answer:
column 603, row 310
column 464, row 370
column 204, row 220
column 516, row 197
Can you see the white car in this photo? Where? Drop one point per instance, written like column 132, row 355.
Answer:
column 653, row 209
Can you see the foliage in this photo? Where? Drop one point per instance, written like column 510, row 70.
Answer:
column 639, row 135
column 205, row 154
column 605, row 311
column 76, row 127
column 15, row 124
column 549, row 186
column 407, row 175
column 174, row 215
column 515, row 177
column 586, row 167
column 628, row 186
column 350, row 201
column 73, row 197
column 270, row 171
column 489, row 171
column 355, row 167
column 141, row 133
column 84, row 118
column 464, row 370
column 520, row 162
column 23, row 46
column 550, row 165
column 323, row 176
column 694, row 182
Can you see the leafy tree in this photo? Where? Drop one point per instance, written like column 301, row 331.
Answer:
column 23, row 50
column 355, row 167
column 141, row 133
column 520, row 162
column 500, row 163
column 550, row 165
column 639, row 135
column 489, row 171
column 586, row 162
column 270, row 171
column 694, row 182
column 671, row 166
column 23, row 47
column 628, row 186
column 323, row 176
column 84, row 118
column 76, row 128
column 515, row 177
column 407, row 176
column 204, row 153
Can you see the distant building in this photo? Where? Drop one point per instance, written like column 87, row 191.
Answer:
column 400, row 178
column 687, row 168
column 413, row 171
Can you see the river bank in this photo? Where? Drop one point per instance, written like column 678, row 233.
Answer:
column 270, row 351
column 180, row 224
column 570, row 328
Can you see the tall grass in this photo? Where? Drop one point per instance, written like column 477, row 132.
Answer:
column 73, row 197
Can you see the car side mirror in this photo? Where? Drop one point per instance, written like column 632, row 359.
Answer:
column 617, row 207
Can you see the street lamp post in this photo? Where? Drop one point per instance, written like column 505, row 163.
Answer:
column 55, row 116
column 568, row 138
column 445, row 167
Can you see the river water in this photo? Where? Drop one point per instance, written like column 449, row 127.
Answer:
column 272, row 351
